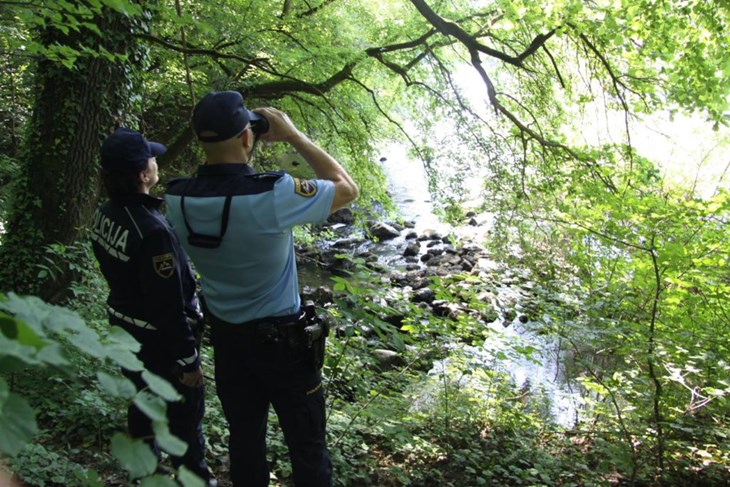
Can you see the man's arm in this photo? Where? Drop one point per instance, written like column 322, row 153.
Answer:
column 324, row 165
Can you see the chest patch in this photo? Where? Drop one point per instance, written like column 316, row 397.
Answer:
column 305, row 187
column 164, row 265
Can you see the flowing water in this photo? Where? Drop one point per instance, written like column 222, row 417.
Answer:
column 539, row 373
column 542, row 371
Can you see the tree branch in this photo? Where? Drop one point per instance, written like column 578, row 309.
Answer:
column 383, row 112
column 212, row 53
column 314, row 10
column 279, row 88
column 452, row 29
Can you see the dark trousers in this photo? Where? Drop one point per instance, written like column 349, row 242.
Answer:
column 184, row 417
column 252, row 372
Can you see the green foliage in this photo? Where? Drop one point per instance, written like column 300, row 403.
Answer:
column 42, row 336
column 8, row 167
column 645, row 267
column 39, row 467
column 65, row 17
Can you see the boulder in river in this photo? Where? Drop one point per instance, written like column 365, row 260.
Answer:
column 382, row 231
column 430, row 235
column 343, row 215
column 412, row 250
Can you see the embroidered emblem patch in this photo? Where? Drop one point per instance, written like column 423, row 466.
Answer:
column 305, row 187
column 164, row 265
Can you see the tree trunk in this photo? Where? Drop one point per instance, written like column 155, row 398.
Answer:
column 58, row 185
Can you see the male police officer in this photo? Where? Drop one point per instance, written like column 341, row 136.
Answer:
column 237, row 228
column 151, row 289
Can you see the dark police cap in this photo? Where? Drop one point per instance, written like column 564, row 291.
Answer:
column 221, row 115
column 128, row 150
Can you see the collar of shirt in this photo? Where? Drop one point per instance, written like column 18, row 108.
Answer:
column 224, row 169
column 144, row 199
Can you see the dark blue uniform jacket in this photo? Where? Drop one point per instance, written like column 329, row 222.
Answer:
column 152, row 287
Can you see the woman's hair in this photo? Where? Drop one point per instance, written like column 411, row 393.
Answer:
column 120, row 183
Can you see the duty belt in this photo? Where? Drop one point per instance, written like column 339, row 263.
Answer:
column 132, row 321
column 301, row 329
column 268, row 329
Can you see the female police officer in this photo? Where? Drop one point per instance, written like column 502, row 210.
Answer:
column 151, row 289
column 237, row 227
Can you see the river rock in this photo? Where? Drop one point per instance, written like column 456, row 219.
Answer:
column 444, row 259
column 444, row 308
column 430, row 235
column 343, row 215
column 423, row 295
column 412, row 250
column 434, row 252
column 489, row 315
column 411, row 235
column 509, row 316
column 383, row 231
column 387, row 359
column 346, row 242
column 321, row 295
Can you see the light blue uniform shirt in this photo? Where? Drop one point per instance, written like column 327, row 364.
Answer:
column 253, row 273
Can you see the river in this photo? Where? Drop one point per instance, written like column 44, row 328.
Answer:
column 540, row 374
column 543, row 371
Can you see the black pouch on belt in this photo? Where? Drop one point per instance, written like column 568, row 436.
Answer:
column 315, row 336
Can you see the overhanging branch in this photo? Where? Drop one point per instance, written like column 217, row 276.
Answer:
column 453, row 30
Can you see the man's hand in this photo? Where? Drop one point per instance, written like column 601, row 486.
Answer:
column 281, row 128
column 193, row 379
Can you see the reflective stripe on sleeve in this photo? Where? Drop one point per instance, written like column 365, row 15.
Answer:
column 189, row 360
column 132, row 321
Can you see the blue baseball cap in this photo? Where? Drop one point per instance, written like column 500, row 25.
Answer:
column 220, row 115
column 128, row 150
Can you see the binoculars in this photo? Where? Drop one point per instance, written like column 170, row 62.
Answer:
column 259, row 124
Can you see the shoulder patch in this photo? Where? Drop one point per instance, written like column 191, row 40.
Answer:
column 305, row 187
column 164, row 265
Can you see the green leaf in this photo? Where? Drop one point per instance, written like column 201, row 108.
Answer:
column 54, row 355
column 20, row 331
column 30, row 309
column 88, row 342
column 398, row 342
column 122, row 338
column 4, row 392
column 117, row 386
column 14, row 356
column 125, row 359
column 151, row 405
column 134, row 455
column 124, row 7
column 89, row 478
column 188, row 478
column 158, row 481
column 17, row 421
column 160, row 386
column 121, row 349
column 65, row 320
column 167, row 441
